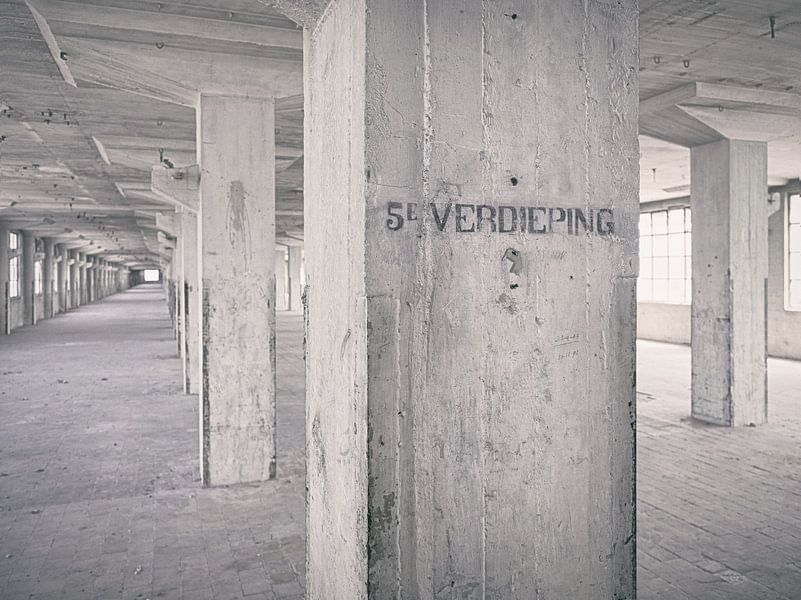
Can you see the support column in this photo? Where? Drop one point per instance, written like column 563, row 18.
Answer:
column 4, row 283
column 236, row 153
column 729, row 271
column 74, row 279
column 295, row 284
column 47, row 279
column 63, row 265
column 28, row 259
column 84, row 287
column 471, row 238
column 280, row 280
column 192, row 297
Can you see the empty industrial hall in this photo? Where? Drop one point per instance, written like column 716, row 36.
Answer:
column 400, row 300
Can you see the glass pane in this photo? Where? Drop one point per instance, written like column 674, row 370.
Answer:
column 659, row 222
column 795, row 265
column 676, row 267
column 794, row 238
column 645, row 267
column 676, row 244
column 795, row 294
column 688, row 244
column 688, row 222
column 688, row 293
column 660, row 293
column 660, row 268
column 645, row 224
column 660, row 245
column 795, row 208
column 688, row 268
column 676, row 220
column 644, row 290
column 645, row 246
column 676, row 290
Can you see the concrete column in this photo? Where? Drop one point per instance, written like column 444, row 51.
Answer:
column 471, row 306
column 47, row 279
column 236, row 154
column 28, row 259
column 191, row 302
column 74, row 279
column 103, row 288
column 63, row 265
column 729, row 272
column 280, row 280
column 295, row 284
column 84, row 282
column 4, row 291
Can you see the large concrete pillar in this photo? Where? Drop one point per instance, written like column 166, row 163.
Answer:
column 48, row 286
column 236, row 154
column 4, row 282
column 84, row 284
column 729, row 271
column 280, row 280
column 63, row 265
column 470, row 238
column 295, row 284
column 191, row 301
column 28, row 260
column 74, row 279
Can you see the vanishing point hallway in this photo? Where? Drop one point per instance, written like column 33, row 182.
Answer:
column 100, row 494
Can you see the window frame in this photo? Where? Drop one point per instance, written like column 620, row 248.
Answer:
column 38, row 278
column 685, row 256
column 787, row 279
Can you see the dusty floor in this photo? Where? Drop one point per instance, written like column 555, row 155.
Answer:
column 100, row 497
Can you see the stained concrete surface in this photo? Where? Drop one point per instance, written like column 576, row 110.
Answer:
column 720, row 509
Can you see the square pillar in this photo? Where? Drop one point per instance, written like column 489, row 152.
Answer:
column 74, row 280
column 729, row 190
column 471, row 209
column 280, row 280
column 236, row 154
column 191, row 303
column 4, row 275
column 48, row 285
column 28, row 260
column 63, row 265
column 295, row 283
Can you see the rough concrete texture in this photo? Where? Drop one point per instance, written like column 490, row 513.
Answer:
column 236, row 153
column 718, row 514
column 494, row 370
column 730, row 270
column 100, row 493
column 192, row 304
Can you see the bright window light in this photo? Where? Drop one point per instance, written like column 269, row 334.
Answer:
column 151, row 275
column 13, row 277
column 794, row 252
column 37, row 277
column 665, row 257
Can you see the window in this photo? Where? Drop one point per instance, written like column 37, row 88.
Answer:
column 13, row 241
column 151, row 275
column 13, row 277
column 794, row 252
column 665, row 257
column 37, row 277
column 68, row 276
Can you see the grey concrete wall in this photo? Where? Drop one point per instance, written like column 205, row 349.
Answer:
column 663, row 322
column 497, row 458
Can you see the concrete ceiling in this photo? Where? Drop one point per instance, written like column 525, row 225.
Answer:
column 95, row 92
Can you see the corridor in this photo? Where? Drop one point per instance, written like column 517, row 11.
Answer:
column 100, row 494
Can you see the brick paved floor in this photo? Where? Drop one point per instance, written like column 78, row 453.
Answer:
column 100, row 497
column 719, row 509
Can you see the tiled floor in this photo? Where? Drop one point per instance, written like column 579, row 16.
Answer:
column 100, row 498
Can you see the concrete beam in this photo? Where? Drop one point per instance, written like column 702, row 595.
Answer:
column 178, row 186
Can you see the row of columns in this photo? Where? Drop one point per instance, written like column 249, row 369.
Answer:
column 69, row 278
